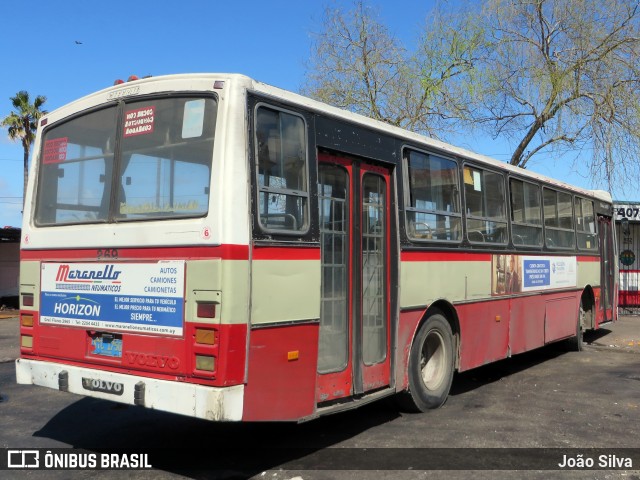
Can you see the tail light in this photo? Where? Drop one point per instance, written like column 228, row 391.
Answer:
column 26, row 331
column 205, row 363
column 27, row 299
column 206, row 310
column 26, row 320
column 205, row 349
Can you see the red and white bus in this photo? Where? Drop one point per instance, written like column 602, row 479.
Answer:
column 219, row 248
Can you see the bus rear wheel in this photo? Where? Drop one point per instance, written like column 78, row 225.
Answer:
column 576, row 343
column 431, row 364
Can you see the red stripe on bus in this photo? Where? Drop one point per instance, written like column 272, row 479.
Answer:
column 444, row 257
column 286, row 253
column 588, row 259
column 226, row 252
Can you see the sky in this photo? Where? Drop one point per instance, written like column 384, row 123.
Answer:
column 267, row 40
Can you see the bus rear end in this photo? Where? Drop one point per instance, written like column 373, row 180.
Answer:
column 130, row 290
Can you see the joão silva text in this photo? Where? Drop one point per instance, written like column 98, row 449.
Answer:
column 604, row 461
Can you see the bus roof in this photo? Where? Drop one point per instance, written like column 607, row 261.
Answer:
column 172, row 82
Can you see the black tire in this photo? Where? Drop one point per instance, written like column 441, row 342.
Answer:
column 431, row 365
column 576, row 343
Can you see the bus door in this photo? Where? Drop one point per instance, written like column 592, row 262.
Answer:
column 354, row 354
column 607, row 267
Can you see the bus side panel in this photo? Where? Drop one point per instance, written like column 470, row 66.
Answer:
column 406, row 332
column 561, row 315
column 526, row 329
column 281, row 379
column 484, row 332
column 285, row 285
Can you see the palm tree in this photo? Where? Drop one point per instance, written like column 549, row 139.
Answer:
column 22, row 124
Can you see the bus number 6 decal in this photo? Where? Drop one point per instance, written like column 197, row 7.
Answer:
column 103, row 253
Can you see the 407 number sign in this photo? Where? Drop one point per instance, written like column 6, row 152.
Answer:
column 628, row 212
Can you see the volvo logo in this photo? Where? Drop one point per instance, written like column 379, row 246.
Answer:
column 104, row 386
column 149, row 360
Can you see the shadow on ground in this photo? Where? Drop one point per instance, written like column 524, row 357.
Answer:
column 200, row 449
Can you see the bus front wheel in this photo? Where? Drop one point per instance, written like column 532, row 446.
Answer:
column 431, row 365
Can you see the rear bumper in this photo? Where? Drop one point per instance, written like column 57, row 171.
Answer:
column 209, row 403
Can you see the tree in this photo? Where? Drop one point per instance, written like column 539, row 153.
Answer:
column 563, row 75
column 356, row 64
column 547, row 76
column 22, row 124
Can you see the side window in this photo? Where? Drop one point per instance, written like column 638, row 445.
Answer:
column 585, row 224
column 558, row 219
column 433, row 212
column 526, row 216
column 485, row 206
column 281, row 156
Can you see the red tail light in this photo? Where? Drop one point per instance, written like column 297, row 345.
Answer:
column 206, row 310
column 27, row 299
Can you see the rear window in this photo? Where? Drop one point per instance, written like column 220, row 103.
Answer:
column 146, row 159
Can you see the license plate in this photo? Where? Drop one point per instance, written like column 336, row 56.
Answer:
column 107, row 345
column 97, row 385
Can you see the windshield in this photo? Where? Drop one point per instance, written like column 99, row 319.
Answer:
column 140, row 160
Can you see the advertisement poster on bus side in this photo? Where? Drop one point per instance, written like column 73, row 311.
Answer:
column 136, row 297
column 523, row 273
